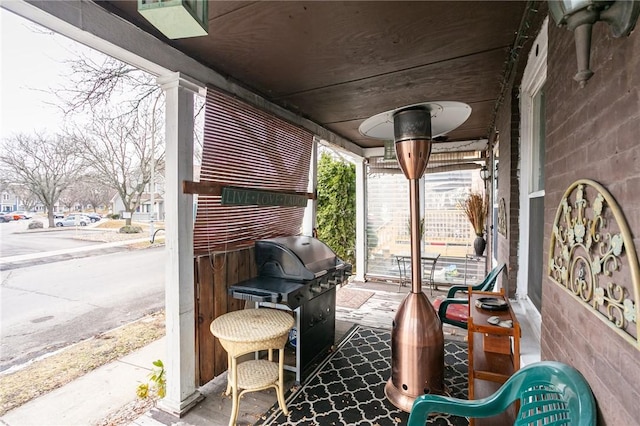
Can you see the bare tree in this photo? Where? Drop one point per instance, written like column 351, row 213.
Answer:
column 28, row 200
column 44, row 165
column 91, row 191
column 68, row 198
column 5, row 179
column 124, row 133
column 95, row 85
column 96, row 81
column 121, row 147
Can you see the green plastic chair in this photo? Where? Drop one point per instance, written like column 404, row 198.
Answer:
column 550, row 393
column 455, row 311
column 486, row 284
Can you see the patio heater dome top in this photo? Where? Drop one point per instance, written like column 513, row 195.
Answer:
column 445, row 116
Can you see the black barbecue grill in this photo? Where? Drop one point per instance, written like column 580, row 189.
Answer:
column 298, row 273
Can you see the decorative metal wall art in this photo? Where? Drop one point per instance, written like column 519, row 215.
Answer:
column 502, row 217
column 592, row 256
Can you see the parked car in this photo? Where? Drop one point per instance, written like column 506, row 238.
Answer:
column 73, row 220
column 95, row 217
column 92, row 216
column 15, row 215
column 21, row 215
column 5, row 218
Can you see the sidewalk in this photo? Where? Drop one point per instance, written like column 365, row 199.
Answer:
column 92, row 397
column 98, row 246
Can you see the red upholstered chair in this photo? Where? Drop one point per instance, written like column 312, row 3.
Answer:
column 455, row 311
column 452, row 311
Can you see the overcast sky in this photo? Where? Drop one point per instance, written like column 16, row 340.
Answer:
column 30, row 63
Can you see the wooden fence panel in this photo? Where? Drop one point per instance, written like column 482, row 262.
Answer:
column 205, row 346
column 216, row 272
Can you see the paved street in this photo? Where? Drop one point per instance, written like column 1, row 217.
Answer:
column 44, row 307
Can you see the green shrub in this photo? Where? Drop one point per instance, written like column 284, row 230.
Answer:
column 130, row 229
column 336, row 214
column 114, row 216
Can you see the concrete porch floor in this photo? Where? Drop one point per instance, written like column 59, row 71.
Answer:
column 378, row 311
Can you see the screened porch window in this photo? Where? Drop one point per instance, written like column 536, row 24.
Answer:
column 447, row 230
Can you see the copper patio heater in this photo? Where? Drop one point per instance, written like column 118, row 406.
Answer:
column 417, row 342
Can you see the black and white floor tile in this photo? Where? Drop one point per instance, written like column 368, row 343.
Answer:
column 348, row 388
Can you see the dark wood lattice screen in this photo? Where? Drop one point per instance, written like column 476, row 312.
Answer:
column 246, row 147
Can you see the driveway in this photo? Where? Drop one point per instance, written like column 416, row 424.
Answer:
column 16, row 239
column 20, row 246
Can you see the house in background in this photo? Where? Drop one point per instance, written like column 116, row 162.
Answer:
column 9, row 202
column 143, row 212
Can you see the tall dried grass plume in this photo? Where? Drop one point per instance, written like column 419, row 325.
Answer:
column 475, row 206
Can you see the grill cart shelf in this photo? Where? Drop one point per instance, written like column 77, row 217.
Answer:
column 494, row 353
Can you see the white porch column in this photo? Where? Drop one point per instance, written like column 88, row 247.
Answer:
column 309, row 219
column 179, row 286
column 361, row 218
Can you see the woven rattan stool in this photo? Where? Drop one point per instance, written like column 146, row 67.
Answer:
column 247, row 331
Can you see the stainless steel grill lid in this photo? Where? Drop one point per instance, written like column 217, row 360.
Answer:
column 295, row 258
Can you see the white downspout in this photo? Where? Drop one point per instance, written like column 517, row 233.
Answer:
column 309, row 219
column 361, row 218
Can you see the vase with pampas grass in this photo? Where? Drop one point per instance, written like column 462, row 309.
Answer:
column 475, row 206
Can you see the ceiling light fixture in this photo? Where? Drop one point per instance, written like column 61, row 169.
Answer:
column 177, row 18
column 579, row 17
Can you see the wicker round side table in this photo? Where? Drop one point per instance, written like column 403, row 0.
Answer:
column 251, row 330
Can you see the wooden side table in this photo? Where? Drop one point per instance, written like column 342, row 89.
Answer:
column 251, row 330
column 494, row 354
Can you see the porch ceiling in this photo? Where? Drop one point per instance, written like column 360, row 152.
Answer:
column 338, row 63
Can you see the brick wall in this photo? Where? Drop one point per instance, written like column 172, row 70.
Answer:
column 593, row 133
column 508, row 127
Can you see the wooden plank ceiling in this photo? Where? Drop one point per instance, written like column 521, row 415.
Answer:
column 338, row 63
